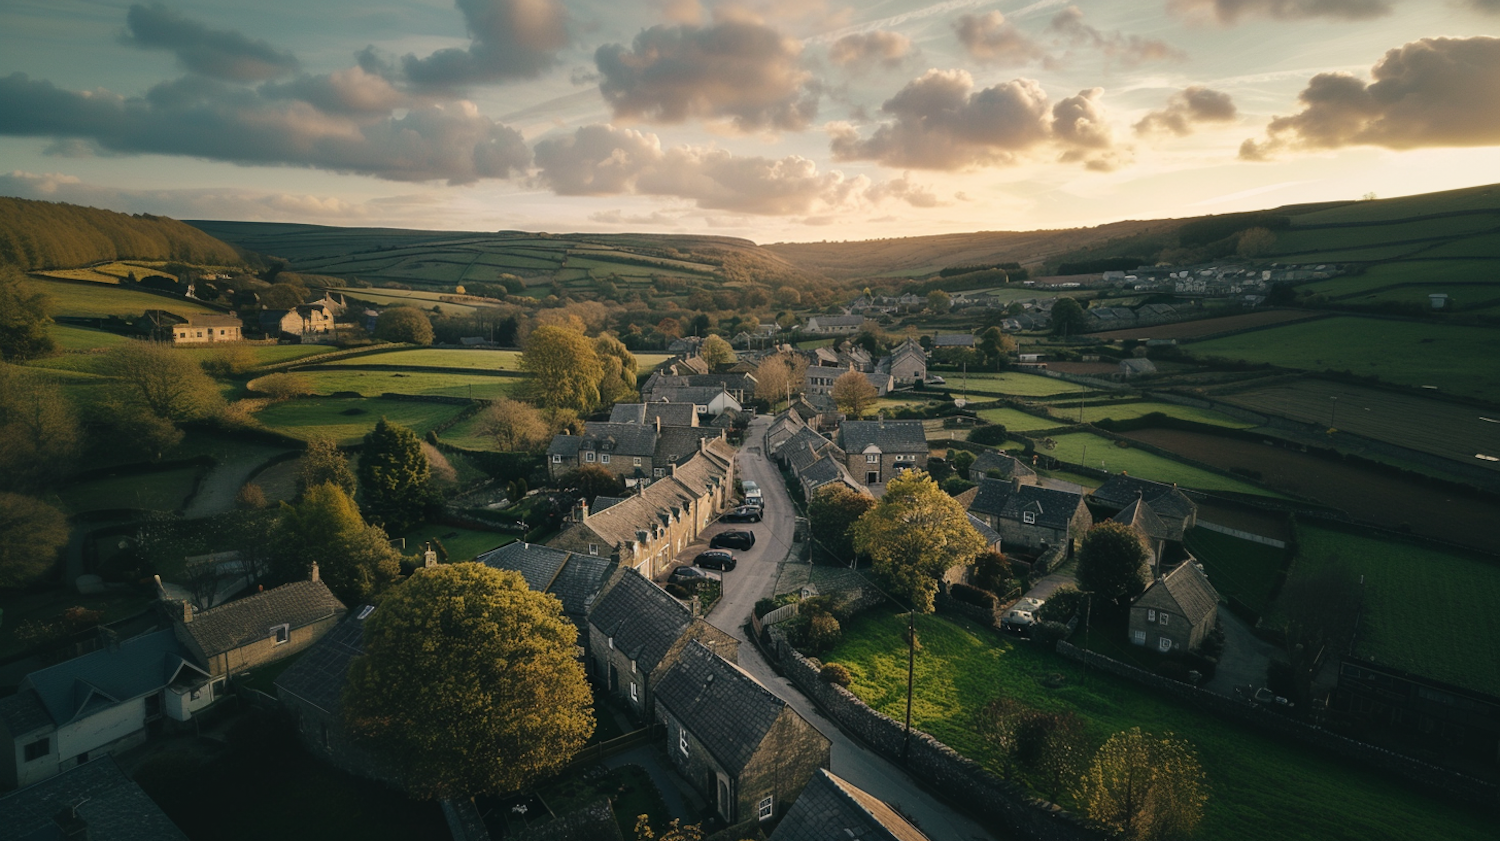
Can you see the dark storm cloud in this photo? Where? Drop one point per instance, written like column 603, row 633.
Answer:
column 222, row 54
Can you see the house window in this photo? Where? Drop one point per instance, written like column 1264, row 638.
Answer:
column 637, row 461
column 38, row 749
column 556, row 459
column 658, row 472
column 1150, row 616
column 1164, row 643
column 633, row 695
column 604, row 458
column 593, row 548
column 872, row 458
column 1164, row 617
column 765, row 810
column 682, row 740
column 1028, row 517
column 280, row 634
column 200, row 334
column 589, row 456
column 1139, row 637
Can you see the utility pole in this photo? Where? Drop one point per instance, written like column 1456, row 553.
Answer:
column 911, row 657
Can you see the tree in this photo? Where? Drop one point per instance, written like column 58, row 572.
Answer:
column 1144, row 787
column 516, row 426
column 470, row 683
column 832, row 513
column 962, row 460
column 1112, row 562
column 31, row 534
column 404, row 324
column 913, row 534
column 162, row 381
column 23, row 319
column 619, row 370
column 283, row 296
column 992, row 572
column 772, row 377
column 394, row 476
column 39, row 431
column 1254, row 242
column 354, row 559
column 996, row 347
column 565, row 369
column 853, row 393
column 283, row 386
column 1068, row 318
column 323, row 463
column 1321, row 606
column 592, row 481
column 939, row 301
column 717, row 352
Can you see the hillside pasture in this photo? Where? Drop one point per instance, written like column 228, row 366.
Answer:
column 1405, row 207
column 347, row 419
column 1459, row 360
column 1419, row 277
column 1416, row 233
column 70, row 338
column 1093, row 412
column 114, row 272
column 98, row 300
column 1239, row 569
column 374, row 383
column 1010, row 384
column 1104, row 453
column 479, row 360
column 1208, row 326
column 1016, row 420
column 411, row 297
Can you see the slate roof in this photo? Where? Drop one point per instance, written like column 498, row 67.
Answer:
column 241, row 622
column 630, row 439
column 725, row 708
column 991, row 537
column 643, row 619
column 1185, row 590
column 676, row 444
column 889, row 436
column 1054, row 509
column 1138, row 366
column 823, row 471
column 109, row 803
column 1167, row 501
column 832, row 809
column 698, row 395
column 1139, row 516
column 204, row 320
column 953, row 340
column 23, row 712
column 573, row 578
column 317, row 677
column 566, row 446
column 646, row 414
column 80, row 687
column 1009, row 466
column 603, row 502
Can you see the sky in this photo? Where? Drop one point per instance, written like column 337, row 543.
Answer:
column 774, row 120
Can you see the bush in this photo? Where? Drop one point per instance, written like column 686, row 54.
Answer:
column 992, row 572
column 770, row 603
column 677, row 591
column 836, row 673
column 1062, row 605
column 1049, row 633
column 283, row 386
column 973, row 595
column 250, row 497
column 993, row 435
column 823, row 632
column 955, row 485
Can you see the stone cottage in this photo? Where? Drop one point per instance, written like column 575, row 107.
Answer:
column 834, row 808
column 1176, row 612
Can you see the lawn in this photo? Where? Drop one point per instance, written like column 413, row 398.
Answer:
column 1137, row 462
column 1461, row 360
column 484, row 360
column 469, row 434
column 69, row 337
column 98, row 300
column 268, row 354
column 1260, row 787
column 1020, row 385
column 1239, row 569
column 1460, row 646
column 161, row 491
column 1019, row 421
column 374, row 383
column 462, row 544
column 347, row 419
column 1095, row 412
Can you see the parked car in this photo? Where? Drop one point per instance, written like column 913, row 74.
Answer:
column 732, row 540
column 715, row 559
column 936, row 380
column 1021, row 616
column 692, row 577
column 743, row 514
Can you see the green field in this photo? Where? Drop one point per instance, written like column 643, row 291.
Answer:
column 1462, row 649
column 73, row 338
column 1459, row 360
column 1260, row 787
column 1138, row 462
column 422, row 300
column 487, row 360
column 1018, row 385
column 462, row 544
column 468, row 433
column 1415, row 279
column 1239, row 569
column 267, row 354
column 346, row 420
column 1338, row 239
column 1448, row 201
column 161, row 491
column 1017, row 420
column 95, row 300
column 374, row 383
column 1094, row 412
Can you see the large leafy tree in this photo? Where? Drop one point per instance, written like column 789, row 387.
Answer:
column 162, row 381
column 469, row 681
column 394, row 477
column 717, row 352
column 324, row 463
column 772, row 377
column 1112, row 562
column 354, row 559
column 565, row 369
column 516, row 426
column 853, row 393
column 996, row 347
column 619, row 370
column 31, row 534
column 1144, row 787
column 913, row 534
column 1068, row 318
column 832, row 513
column 404, row 324
column 23, row 319
column 591, row 481
column 39, row 431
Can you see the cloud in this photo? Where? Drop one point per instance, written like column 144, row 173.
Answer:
column 203, row 203
column 510, row 39
column 1429, row 92
column 222, row 54
column 1130, row 50
column 601, row 160
column 199, row 117
column 1229, row 12
column 619, row 217
column 1186, row 109
column 990, row 39
column 941, row 122
column 349, row 91
column 863, row 50
column 746, row 72
column 1489, row 7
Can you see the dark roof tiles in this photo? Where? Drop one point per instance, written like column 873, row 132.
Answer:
column 105, row 800
column 643, row 619
column 241, row 622
column 725, row 708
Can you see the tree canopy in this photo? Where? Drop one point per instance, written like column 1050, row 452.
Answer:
column 619, row 370
column 516, row 426
column 31, row 534
column 1112, row 562
column 324, row 462
column 717, row 352
column 41, row 234
column 394, row 476
column 996, row 347
column 832, row 513
column 354, row 559
column 853, row 393
column 1068, row 318
column 565, row 366
column 23, row 319
column 592, row 481
column 915, row 533
column 404, row 324
column 469, row 681
column 39, row 431
column 1144, row 787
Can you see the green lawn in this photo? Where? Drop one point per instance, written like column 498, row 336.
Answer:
column 98, row 299
column 268, row 354
column 1019, row 421
column 1461, row 360
column 373, row 383
column 1020, row 385
column 1238, row 568
column 1138, row 462
column 161, row 491
column 69, row 337
column 468, row 433
column 346, row 420
column 485, row 360
column 1094, row 412
column 1460, row 646
column 462, row 544
column 1260, row 787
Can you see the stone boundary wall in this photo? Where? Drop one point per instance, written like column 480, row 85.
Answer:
column 1432, row 779
column 1242, row 535
column 959, row 779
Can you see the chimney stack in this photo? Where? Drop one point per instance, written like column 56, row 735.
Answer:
column 187, row 611
column 583, row 511
column 429, row 558
column 70, row 825
column 314, row 575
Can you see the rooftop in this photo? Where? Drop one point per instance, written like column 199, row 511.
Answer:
column 729, row 711
column 241, row 622
column 103, row 799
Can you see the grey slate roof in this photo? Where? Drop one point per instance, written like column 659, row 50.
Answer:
column 1009, row 467
column 566, row 446
column 890, row 436
column 1138, row 515
column 641, row 617
column 112, row 806
column 646, row 414
column 825, row 470
column 698, row 395
column 317, row 677
column 241, row 622
column 991, row 537
column 1138, row 366
column 832, row 809
column 630, row 439
column 573, row 578
column 23, row 712
column 79, row 687
column 1167, row 501
column 953, row 340
column 1054, row 509
column 1185, row 590
column 603, row 502
column 679, row 443
column 725, row 708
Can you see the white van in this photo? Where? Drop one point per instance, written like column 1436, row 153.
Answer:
column 752, row 494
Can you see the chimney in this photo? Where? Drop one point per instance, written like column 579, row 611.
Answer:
column 187, row 611
column 70, row 826
column 429, row 558
column 658, row 424
column 583, row 511
column 314, row 575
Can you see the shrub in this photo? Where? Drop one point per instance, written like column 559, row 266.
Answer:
column 1049, row 633
column 677, row 591
column 1062, row 605
column 992, row 572
column 993, row 435
column 835, row 673
column 823, row 632
column 283, row 386
column 250, row 497
column 955, row 485
column 973, row 595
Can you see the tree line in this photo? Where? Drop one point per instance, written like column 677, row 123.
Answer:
column 40, row 234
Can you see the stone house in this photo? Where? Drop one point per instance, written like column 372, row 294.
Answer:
column 708, row 401
column 624, row 449
column 675, row 445
column 1156, row 536
column 875, row 451
column 574, row 579
column 834, row 808
column 1176, row 612
column 786, row 424
column 745, row 750
column 207, row 329
column 908, row 363
column 258, row 629
column 1131, row 368
column 833, row 324
column 825, row 470
column 303, row 320
column 997, row 465
column 637, row 631
column 1029, row 516
column 1176, row 511
column 92, row 801
column 654, row 414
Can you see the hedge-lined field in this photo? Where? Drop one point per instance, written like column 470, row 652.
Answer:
column 1241, row 569
column 98, row 300
column 374, row 383
column 1138, row 462
column 1019, row 385
column 346, row 420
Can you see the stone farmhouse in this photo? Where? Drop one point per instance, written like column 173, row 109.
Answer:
column 834, row 808
column 745, row 750
column 876, row 451
column 908, row 363
column 1176, row 612
column 1173, row 507
column 638, row 453
column 833, row 324
column 259, row 629
column 1031, row 517
column 998, row 465
column 305, row 321
column 207, row 329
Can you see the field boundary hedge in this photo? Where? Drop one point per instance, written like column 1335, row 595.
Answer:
column 342, row 353
column 414, row 369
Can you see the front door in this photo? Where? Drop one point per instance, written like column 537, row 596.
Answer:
column 872, row 477
column 726, row 806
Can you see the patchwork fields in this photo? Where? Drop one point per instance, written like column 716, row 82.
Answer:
column 98, row 300
column 346, row 420
column 1094, row 451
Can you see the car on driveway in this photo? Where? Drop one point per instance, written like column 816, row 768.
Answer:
column 692, row 577
column 732, row 540
column 715, row 559
column 743, row 514
column 1021, row 616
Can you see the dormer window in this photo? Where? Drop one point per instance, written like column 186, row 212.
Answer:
column 1028, row 517
column 872, row 458
column 637, row 461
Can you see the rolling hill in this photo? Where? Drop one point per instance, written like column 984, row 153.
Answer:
column 40, row 234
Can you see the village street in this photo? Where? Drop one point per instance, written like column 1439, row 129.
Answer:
column 753, row 580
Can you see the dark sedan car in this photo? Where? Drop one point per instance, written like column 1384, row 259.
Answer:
column 715, row 559
column 691, row 577
column 732, row 540
column 743, row 514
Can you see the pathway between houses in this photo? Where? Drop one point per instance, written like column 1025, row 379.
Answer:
column 218, row 489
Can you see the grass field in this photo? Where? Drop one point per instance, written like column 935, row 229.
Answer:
column 373, row 383
column 1460, row 360
column 1260, row 787
column 1415, row 279
column 267, row 354
column 462, row 544
column 1094, row 412
column 1137, row 462
column 1018, row 385
column 1017, row 420
column 1208, row 326
column 487, row 360
column 1462, row 649
column 1239, row 569
column 98, row 300
column 162, row 491
column 468, row 433
column 70, row 338
column 422, row 300
column 346, row 420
